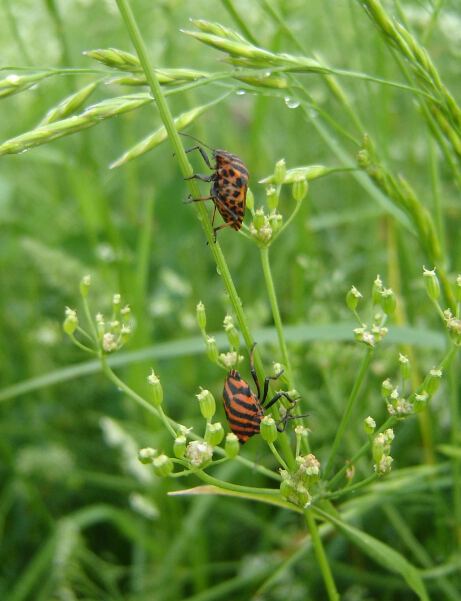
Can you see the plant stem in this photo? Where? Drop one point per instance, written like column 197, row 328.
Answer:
column 264, row 254
column 236, row 487
column 187, row 171
column 277, row 456
column 347, row 413
column 322, row 559
column 456, row 466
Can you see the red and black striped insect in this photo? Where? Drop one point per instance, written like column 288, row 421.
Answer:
column 229, row 185
column 244, row 409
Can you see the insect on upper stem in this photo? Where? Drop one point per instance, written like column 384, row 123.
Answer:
column 229, row 185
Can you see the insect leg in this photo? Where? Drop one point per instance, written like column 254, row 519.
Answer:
column 198, row 199
column 282, row 424
column 278, row 396
column 267, row 379
column 253, row 371
column 220, row 227
column 203, row 153
column 214, row 214
column 201, row 177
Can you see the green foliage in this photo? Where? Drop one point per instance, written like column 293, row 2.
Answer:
column 346, row 115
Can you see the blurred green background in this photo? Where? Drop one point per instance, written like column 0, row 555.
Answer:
column 80, row 518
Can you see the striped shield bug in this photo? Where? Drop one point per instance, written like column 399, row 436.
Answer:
column 244, row 409
column 229, row 185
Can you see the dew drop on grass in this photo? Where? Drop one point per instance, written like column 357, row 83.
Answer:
column 218, row 271
column 291, row 103
column 240, row 92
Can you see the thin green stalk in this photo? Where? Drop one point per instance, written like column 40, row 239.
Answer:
column 264, row 254
column 252, row 490
column 349, row 408
column 166, row 421
column 454, row 438
column 277, row 456
column 322, row 559
column 235, row 14
column 187, row 171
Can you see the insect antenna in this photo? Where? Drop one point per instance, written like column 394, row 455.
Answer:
column 196, row 139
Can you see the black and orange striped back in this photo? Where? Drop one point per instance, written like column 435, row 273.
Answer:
column 243, row 409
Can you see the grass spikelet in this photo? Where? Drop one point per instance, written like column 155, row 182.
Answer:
column 14, row 84
column 160, row 135
column 90, row 117
column 115, row 59
column 69, row 105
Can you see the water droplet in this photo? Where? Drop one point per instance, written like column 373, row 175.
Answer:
column 291, row 103
column 240, row 92
column 24, row 151
column 218, row 271
column 313, row 114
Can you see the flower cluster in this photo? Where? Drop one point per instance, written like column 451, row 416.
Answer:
column 381, row 449
column 297, row 486
column 106, row 335
column 384, row 304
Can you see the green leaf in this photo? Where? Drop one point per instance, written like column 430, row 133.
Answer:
column 381, row 553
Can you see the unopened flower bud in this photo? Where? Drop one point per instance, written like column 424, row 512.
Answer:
column 156, row 387
column 232, row 334
column 433, row 381
column 259, row 219
column 250, row 200
column 299, row 189
column 420, row 401
column 70, row 323
column 272, row 197
column 388, row 301
column 214, row 433
column 109, row 343
column 280, row 171
column 352, row 298
column 387, row 388
column 199, row 453
column 163, row 466
column 212, row 349
column 363, row 158
column 146, row 455
column 100, row 325
column 389, row 435
column 383, row 466
column 404, row 366
column 432, row 283
column 207, row 403
column 85, row 284
column 376, row 293
column 379, row 444
column 232, row 445
column 369, row 425
column 201, row 316
column 268, row 429
column 275, row 221
column 179, row 446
